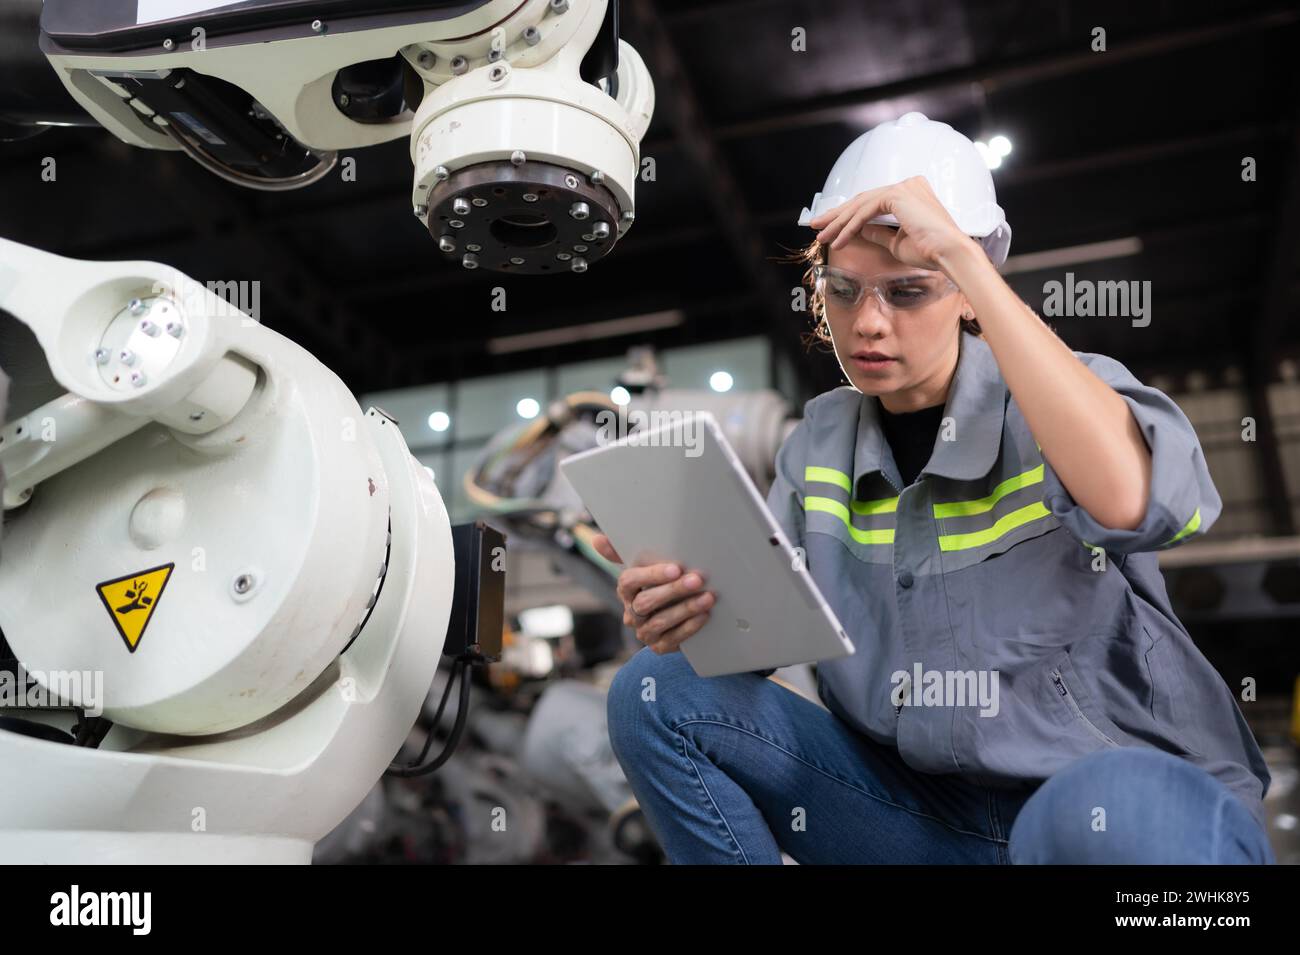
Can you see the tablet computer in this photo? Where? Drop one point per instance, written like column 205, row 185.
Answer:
column 678, row 493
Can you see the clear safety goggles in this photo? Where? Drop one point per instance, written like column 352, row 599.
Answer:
column 843, row 291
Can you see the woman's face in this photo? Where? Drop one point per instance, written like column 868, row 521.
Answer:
column 907, row 354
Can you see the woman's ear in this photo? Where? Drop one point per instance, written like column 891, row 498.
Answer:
column 966, row 312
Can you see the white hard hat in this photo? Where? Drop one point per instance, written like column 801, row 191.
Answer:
column 913, row 145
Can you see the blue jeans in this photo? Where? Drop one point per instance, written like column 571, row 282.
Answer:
column 740, row 769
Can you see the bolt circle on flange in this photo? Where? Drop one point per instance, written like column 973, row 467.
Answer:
column 522, row 214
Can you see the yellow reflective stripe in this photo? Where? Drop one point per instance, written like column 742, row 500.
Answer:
column 985, row 504
column 830, row 506
column 1189, row 528
column 886, row 505
column 828, row 476
column 1004, row 525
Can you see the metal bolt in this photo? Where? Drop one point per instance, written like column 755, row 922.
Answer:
column 136, row 307
column 457, row 223
column 243, row 583
column 420, row 211
column 175, row 329
column 460, row 207
column 441, row 173
column 563, row 256
column 344, row 99
column 629, row 217
column 494, row 54
column 138, row 379
column 459, row 65
column 532, row 36
column 473, row 247
column 426, row 59
column 516, row 260
column 470, row 261
column 588, row 237
column 447, row 244
column 579, row 248
column 479, row 201
column 101, row 356
column 126, row 356
column 579, row 210
column 530, row 197
column 571, row 181
column 600, row 230
column 597, row 177
column 518, row 158
column 559, row 6
column 149, row 328
column 317, row 26
column 497, row 73
column 579, row 264
column 169, row 44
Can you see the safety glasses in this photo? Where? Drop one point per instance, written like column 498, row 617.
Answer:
column 842, row 290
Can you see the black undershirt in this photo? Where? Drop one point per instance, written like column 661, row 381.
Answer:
column 910, row 436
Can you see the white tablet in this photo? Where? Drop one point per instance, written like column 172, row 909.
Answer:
column 679, row 493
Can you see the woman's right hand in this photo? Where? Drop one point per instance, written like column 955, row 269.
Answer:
column 661, row 603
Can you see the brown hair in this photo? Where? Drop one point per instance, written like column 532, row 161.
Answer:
column 815, row 254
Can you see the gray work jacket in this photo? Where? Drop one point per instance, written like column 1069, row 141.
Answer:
column 985, row 569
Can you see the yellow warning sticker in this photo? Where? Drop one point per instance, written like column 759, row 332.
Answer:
column 131, row 600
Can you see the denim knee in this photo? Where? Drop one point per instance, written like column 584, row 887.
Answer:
column 638, row 684
column 1135, row 805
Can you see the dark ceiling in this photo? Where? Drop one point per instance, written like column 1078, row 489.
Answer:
column 1145, row 139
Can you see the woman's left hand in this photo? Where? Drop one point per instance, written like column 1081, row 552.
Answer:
column 926, row 235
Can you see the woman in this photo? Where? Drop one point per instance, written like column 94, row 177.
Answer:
column 980, row 507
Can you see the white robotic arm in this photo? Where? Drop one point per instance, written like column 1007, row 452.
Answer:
column 524, row 116
column 211, row 579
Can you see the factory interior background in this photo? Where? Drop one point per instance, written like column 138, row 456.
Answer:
column 1116, row 165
